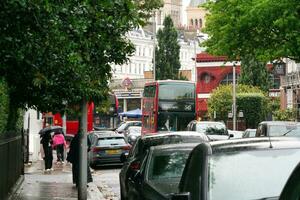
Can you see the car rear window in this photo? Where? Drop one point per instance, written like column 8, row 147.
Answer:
column 212, row 128
column 250, row 175
column 167, row 165
column 286, row 130
column 109, row 141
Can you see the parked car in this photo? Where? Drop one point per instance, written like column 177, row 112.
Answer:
column 214, row 130
column 107, row 148
column 249, row 133
column 134, row 160
column 291, row 190
column 160, row 173
column 124, row 126
column 133, row 133
column 278, row 128
column 235, row 134
column 250, row 168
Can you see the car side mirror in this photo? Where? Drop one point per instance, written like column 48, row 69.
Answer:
column 181, row 196
column 231, row 135
column 124, row 157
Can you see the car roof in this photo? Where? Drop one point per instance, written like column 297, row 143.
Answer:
column 175, row 133
column 208, row 122
column 173, row 146
column 256, row 143
column 105, row 135
column 250, row 129
column 279, row 122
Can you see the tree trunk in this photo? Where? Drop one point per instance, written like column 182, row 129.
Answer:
column 82, row 188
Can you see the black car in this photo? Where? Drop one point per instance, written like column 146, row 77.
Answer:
column 242, row 169
column 160, row 172
column 142, row 144
column 107, row 148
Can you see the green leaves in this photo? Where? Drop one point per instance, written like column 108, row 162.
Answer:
column 251, row 100
column 265, row 29
column 57, row 51
column 167, row 52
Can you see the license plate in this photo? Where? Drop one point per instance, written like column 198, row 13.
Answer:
column 112, row 151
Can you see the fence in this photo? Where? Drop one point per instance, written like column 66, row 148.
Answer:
column 12, row 166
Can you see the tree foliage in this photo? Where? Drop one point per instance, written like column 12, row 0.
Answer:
column 254, row 72
column 266, row 29
column 220, row 101
column 167, row 52
column 286, row 115
column 55, row 53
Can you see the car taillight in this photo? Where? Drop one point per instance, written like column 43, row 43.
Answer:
column 96, row 149
column 135, row 165
column 128, row 147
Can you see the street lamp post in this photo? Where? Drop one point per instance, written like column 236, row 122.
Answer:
column 154, row 45
column 234, row 97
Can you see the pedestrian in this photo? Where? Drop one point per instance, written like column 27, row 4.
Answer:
column 59, row 143
column 46, row 141
column 73, row 157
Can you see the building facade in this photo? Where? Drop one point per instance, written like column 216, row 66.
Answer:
column 196, row 15
column 211, row 72
column 290, row 86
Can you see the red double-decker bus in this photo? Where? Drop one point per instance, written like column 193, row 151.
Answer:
column 94, row 119
column 168, row 105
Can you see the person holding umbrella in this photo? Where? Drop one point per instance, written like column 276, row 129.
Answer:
column 46, row 141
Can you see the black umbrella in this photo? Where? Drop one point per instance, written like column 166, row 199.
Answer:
column 50, row 129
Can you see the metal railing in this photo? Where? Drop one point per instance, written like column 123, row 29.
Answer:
column 12, row 166
column 291, row 79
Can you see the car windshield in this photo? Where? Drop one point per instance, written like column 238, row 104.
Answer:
column 252, row 175
column 111, row 141
column 286, row 129
column 167, row 165
column 211, row 128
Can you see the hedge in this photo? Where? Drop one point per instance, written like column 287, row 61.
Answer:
column 4, row 102
column 254, row 107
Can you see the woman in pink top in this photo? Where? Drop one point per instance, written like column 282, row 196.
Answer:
column 59, row 143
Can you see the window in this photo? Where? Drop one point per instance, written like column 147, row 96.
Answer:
column 167, row 165
column 192, row 22
column 149, row 91
column 262, row 171
column 228, row 79
column 200, row 23
column 111, row 141
column 196, row 22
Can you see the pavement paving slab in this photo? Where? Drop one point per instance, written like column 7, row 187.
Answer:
column 56, row 184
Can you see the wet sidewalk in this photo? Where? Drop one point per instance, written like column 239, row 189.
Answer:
column 54, row 185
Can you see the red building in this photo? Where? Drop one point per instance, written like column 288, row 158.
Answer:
column 211, row 72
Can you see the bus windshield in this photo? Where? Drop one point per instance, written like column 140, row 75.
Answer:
column 176, row 91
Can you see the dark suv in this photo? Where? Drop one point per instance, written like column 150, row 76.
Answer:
column 247, row 169
column 142, row 144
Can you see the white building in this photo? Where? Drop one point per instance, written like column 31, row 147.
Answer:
column 33, row 123
column 142, row 59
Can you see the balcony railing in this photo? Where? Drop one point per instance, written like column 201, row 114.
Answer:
column 291, row 79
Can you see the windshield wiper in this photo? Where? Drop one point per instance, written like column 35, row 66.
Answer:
column 288, row 132
column 268, row 198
